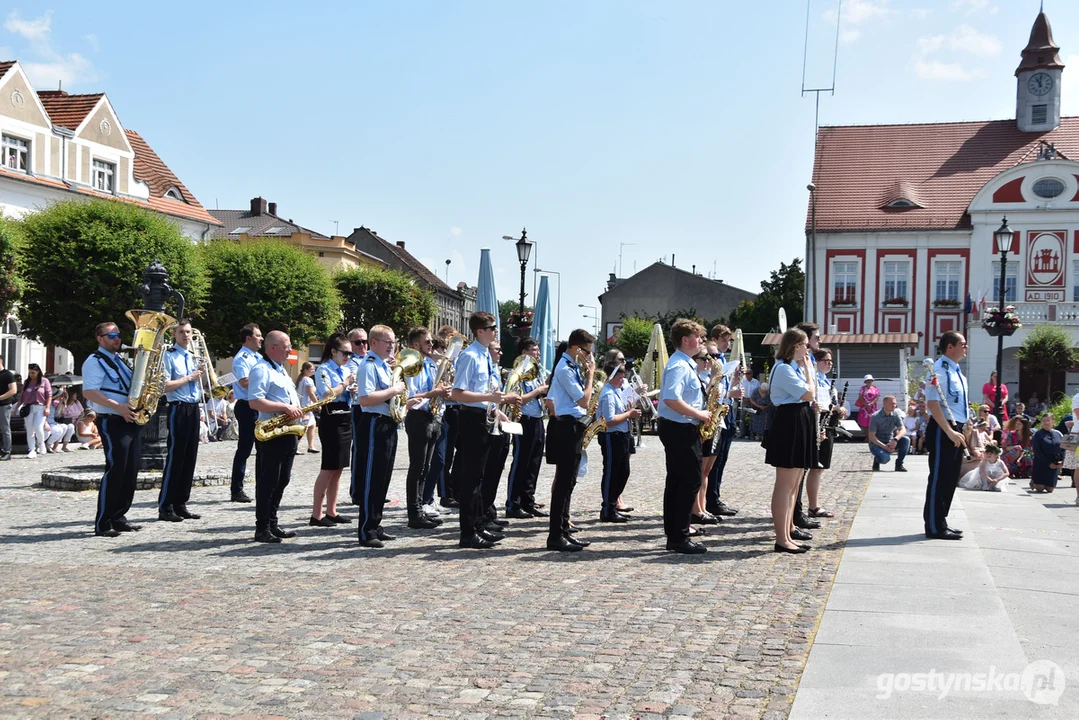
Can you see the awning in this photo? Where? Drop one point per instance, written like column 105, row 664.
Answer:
column 856, row 339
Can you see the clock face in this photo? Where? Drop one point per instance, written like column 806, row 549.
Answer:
column 1040, row 83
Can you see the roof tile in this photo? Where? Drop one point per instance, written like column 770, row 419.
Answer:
column 68, row 110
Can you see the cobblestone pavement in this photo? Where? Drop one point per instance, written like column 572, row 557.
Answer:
column 194, row 619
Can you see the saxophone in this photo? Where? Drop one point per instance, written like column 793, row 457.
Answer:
column 599, row 379
column 281, row 425
column 591, row 431
column 716, row 408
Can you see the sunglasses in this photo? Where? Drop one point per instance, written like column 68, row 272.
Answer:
column 346, row 353
column 490, row 327
column 360, row 342
column 110, row 336
column 714, row 355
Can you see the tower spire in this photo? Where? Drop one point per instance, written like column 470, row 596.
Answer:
column 1041, row 52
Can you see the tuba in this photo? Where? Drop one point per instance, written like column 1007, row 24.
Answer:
column 148, row 377
column 445, row 374
column 409, row 364
column 281, row 425
column 525, row 369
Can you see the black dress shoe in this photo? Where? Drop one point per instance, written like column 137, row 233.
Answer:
column 900, row 468
column 168, row 515
column 704, row 519
column 449, row 503
column 434, row 518
column 876, row 466
column 613, row 518
column 372, row 543
column 324, row 521
column 384, row 536
column 265, row 536
column 805, row 523
column 536, row 512
column 476, row 543
column 107, row 532
column 573, row 530
column 626, row 509
column 340, row 519
column 687, row 547
column 946, row 535
column 793, row 551
column 121, row 526
column 797, row 534
column 563, row 544
column 241, row 497
column 519, row 514
column 575, row 541
column 724, row 509
column 181, row 510
column 492, row 527
column 490, row 536
column 278, row 532
column 422, row 522
column 953, row 530
column 499, row 522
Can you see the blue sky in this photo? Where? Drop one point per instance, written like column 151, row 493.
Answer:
column 677, row 127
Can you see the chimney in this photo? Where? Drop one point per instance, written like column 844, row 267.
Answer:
column 273, row 208
column 401, row 244
column 672, row 259
column 258, row 206
column 694, row 269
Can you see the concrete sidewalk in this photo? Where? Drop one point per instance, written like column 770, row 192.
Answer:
column 906, row 613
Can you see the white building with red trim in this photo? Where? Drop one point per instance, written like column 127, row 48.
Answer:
column 901, row 221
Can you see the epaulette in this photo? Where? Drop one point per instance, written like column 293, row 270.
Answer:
column 172, row 348
column 369, row 359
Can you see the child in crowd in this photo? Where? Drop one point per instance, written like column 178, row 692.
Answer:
column 991, row 471
column 86, row 431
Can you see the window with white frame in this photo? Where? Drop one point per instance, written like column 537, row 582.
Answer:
column 104, row 176
column 895, row 280
column 947, row 284
column 845, row 283
column 16, row 153
column 1011, row 275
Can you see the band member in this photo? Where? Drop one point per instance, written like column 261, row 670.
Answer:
column 474, row 386
column 812, row 481
column 706, row 358
column 334, row 428
column 528, row 446
column 615, row 442
column 721, row 336
column 792, row 443
column 571, row 394
column 430, row 482
column 497, row 454
column 947, row 399
column 440, row 473
column 801, row 521
column 106, row 381
column 422, row 428
column 183, row 392
column 245, row 359
column 681, row 411
column 374, row 435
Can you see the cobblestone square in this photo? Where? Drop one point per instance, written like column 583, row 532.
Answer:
column 195, row 620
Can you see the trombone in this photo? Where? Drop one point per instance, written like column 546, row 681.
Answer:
column 209, row 387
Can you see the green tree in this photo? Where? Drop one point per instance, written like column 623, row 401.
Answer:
column 11, row 285
column 784, row 289
column 634, row 337
column 1048, row 349
column 271, row 283
column 507, row 339
column 83, row 262
column 372, row 296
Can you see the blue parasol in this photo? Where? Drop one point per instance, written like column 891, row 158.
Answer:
column 542, row 327
column 486, row 297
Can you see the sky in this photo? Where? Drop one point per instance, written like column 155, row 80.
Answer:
column 615, row 132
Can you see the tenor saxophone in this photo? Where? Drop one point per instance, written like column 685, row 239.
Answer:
column 281, row 425
column 714, row 407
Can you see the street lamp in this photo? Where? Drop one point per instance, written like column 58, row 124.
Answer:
column 558, row 310
column 1003, row 237
column 594, row 316
column 524, row 248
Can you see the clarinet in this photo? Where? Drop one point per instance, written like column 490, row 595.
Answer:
column 934, row 381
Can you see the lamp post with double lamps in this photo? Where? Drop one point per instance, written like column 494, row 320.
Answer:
column 594, row 316
column 1003, row 237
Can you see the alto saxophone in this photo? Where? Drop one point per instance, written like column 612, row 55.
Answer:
column 714, row 407
column 591, row 431
column 281, row 425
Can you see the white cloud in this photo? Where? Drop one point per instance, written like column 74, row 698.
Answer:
column 70, row 70
column 973, row 7
column 921, row 13
column 1069, row 91
column 34, row 30
column 456, row 231
column 46, row 66
column 849, row 35
column 967, row 39
column 459, row 271
column 927, row 45
column 857, row 12
column 936, row 70
column 964, row 40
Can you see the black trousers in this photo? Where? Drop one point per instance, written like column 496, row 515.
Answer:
column 472, row 450
column 615, row 447
column 423, row 435
column 682, row 446
column 945, row 464
column 722, row 448
column 374, row 449
column 245, row 426
column 824, row 457
column 442, row 461
column 122, row 443
column 273, row 470
column 564, row 436
column 181, row 455
column 527, row 458
column 492, row 474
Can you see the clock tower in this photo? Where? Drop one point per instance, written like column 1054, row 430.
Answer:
column 1037, row 102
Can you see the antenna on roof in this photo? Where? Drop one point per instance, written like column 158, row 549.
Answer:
column 60, row 85
column 835, row 58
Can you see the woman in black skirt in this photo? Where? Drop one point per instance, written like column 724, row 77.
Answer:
column 700, row 515
column 334, row 428
column 792, row 445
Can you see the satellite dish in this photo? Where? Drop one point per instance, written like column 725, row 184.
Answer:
column 782, row 320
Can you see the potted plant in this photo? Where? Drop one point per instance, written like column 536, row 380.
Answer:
column 1001, row 322
column 946, row 303
column 843, row 302
column 897, row 302
column 520, row 323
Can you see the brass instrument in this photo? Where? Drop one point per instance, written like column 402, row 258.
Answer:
column 409, row 364
column 445, row 373
column 281, row 425
column 591, row 431
column 209, row 387
column 525, row 369
column 714, row 405
column 149, row 376
column 599, row 379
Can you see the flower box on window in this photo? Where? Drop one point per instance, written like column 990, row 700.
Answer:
column 897, row 302
column 844, row 303
column 1001, row 322
column 946, row 303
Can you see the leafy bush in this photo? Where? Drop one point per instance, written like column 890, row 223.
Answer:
column 373, row 296
column 11, row 285
column 634, row 337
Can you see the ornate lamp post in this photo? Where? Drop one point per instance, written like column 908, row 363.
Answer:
column 524, row 249
column 1003, row 237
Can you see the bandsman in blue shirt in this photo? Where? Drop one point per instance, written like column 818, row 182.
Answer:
column 721, row 446
column 245, row 359
column 947, row 399
column 499, row 449
column 440, row 474
column 334, row 428
column 272, row 392
column 812, row 482
column 374, row 435
column 528, row 446
column 681, row 411
column 615, row 442
column 570, row 394
column 183, row 392
column 106, row 382
column 422, row 428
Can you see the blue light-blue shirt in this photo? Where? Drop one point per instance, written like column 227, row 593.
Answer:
column 611, row 403
column 97, row 374
column 242, row 364
column 567, row 387
column 374, row 375
column 726, row 383
column 327, row 377
column 269, row 381
column 534, row 407
column 178, row 363
column 424, row 381
column 824, row 391
column 788, row 384
column 954, row 385
column 680, row 382
column 473, row 372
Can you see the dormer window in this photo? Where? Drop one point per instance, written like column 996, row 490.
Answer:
column 274, row 230
column 103, row 176
column 1048, row 188
column 241, row 230
column 174, row 194
column 901, row 194
column 901, row 203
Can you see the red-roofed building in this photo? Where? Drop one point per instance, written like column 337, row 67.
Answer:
column 901, row 220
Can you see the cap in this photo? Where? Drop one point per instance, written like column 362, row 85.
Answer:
column 867, row 378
